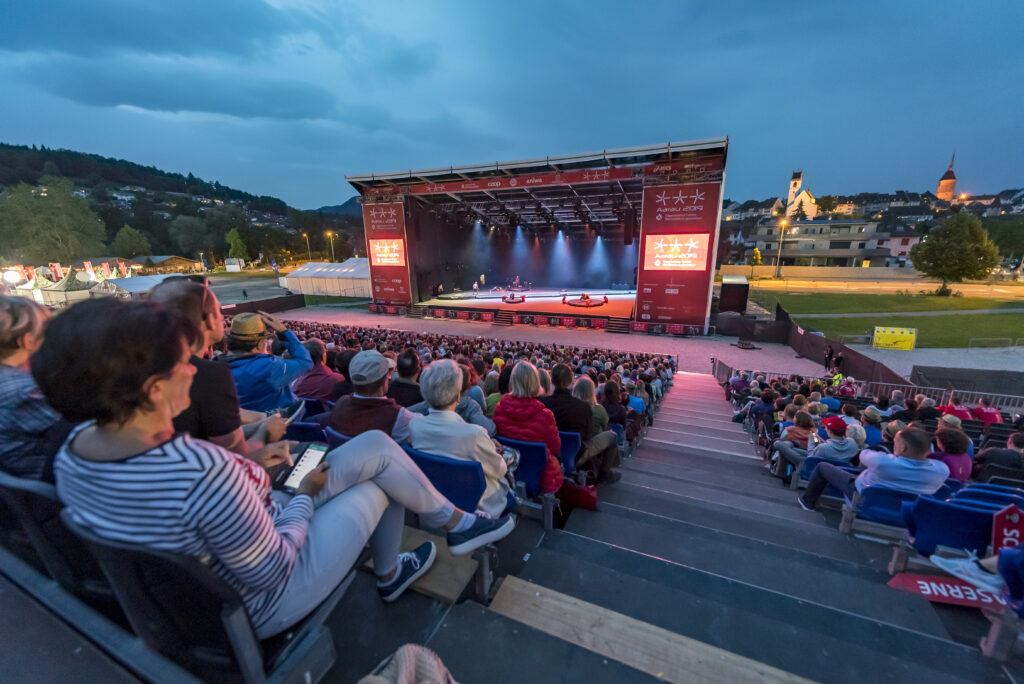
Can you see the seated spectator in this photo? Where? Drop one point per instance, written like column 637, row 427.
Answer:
column 986, row 413
column 926, row 409
column 881, row 405
column 951, row 422
column 952, row 450
column 871, row 421
column 469, row 409
column 858, row 434
column 367, row 408
column 443, row 432
column 896, row 402
column 30, row 431
column 830, row 400
column 283, row 554
column 341, row 362
column 545, row 382
column 847, row 389
column 519, row 415
column 213, row 413
column 889, row 433
column 957, row 407
column 907, row 413
column 907, row 469
column 636, row 402
column 793, row 443
column 850, row 414
column 612, row 405
column 600, row 453
column 318, row 382
column 838, row 446
column 405, row 389
column 491, row 394
column 740, row 383
column 1010, row 457
column 261, row 378
column 476, row 391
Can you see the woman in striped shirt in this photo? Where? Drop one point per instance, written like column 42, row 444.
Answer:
column 122, row 369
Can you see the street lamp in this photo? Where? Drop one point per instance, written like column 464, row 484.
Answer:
column 778, row 259
column 330, row 235
column 308, row 253
column 201, row 262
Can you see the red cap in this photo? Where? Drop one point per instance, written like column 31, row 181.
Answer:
column 835, row 424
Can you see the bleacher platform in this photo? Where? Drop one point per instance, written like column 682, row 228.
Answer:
column 697, row 567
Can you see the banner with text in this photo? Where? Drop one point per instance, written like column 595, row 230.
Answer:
column 678, row 237
column 384, row 225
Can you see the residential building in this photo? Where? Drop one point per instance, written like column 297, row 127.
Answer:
column 844, row 242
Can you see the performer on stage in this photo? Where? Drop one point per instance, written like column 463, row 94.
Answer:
column 476, row 289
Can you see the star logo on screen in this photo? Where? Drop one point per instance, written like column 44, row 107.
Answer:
column 692, row 245
column 662, row 198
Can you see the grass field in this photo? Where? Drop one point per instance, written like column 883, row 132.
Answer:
column 953, row 330
column 832, row 302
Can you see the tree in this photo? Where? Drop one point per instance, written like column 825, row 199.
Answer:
column 799, row 214
column 191, row 236
column 236, row 248
column 755, row 257
column 959, row 249
column 827, row 204
column 130, row 243
column 38, row 227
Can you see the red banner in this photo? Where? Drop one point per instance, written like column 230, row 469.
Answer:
column 105, row 268
column 1007, row 528
column 599, row 323
column 30, row 273
column 679, row 233
column 87, row 265
column 487, row 316
column 946, row 590
column 123, row 269
column 56, row 272
column 384, row 225
column 439, row 313
column 675, row 329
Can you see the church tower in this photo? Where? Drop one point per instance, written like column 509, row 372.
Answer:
column 947, row 184
column 794, row 186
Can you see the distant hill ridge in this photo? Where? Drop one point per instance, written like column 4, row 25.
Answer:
column 349, row 208
column 24, row 164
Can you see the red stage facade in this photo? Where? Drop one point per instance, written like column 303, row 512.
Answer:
column 419, row 223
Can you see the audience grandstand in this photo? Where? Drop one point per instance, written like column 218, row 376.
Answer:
column 630, row 521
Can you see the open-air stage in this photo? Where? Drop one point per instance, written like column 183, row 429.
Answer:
column 541, row 301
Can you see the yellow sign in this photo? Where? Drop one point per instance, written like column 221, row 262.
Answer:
column 894, row 338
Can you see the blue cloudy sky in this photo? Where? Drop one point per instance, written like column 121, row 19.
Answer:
column 286, row 97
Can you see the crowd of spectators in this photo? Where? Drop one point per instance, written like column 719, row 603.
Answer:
column 175, row 411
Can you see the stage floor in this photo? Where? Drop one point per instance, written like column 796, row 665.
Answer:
column 620, row 302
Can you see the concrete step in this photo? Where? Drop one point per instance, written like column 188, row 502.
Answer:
column 479, row 645
column 797, row 574
column 810, row 640
column 699, row 432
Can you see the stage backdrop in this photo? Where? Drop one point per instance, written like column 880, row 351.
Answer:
column 678, row 239
column 387, row 249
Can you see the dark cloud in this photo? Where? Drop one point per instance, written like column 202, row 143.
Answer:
column 176, row 86
column 185, row 27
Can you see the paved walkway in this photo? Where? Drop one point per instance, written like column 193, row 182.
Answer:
column 908, row 313
column 694, row 353
column 903, row 362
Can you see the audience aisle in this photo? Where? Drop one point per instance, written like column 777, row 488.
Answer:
column 697, row 548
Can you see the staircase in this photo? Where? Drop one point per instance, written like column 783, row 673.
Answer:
column 417, row 311
column 701, row 567
column 619, row 325
column 503, row 317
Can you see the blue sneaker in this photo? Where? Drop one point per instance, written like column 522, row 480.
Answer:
column 483, row 531
column 411, row 566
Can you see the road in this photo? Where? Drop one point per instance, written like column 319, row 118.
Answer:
column 991, row 290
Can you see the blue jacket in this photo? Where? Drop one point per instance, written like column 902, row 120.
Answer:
column 263, row 379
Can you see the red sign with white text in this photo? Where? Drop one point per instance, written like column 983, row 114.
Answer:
column 1007, row 528
column 675, row 252
column 384, row 225
column 946, row 590
column 679, row 233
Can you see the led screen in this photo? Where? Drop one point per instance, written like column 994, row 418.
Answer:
column 687, row 252
column 387, row 252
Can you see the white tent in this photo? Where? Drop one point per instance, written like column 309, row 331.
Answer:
column 350, row 278
column 135, row 287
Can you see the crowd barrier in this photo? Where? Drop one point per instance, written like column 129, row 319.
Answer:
column 272, row 305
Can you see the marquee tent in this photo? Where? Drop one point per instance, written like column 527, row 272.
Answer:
column 135, row 287
column 350, row 278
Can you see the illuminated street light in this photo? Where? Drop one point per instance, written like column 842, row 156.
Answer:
column 308, row 253
column 12, row 277
column 331, row 236
column 782, row 239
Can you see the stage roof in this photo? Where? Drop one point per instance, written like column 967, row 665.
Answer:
column 592, row 191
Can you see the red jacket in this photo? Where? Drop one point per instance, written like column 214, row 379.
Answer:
column 526, row 419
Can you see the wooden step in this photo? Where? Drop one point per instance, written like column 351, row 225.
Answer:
column 656, row 651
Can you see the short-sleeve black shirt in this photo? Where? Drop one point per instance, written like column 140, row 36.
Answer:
column 214, row 408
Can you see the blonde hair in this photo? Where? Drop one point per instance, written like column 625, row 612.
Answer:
column 524, row 381
column 583, row 389
column 18, row 317
column 857, row 434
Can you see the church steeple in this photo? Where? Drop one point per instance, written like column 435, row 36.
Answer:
column 947, row 184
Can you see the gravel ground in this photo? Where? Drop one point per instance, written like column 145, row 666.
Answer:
column 229, row 288
column 694, row 353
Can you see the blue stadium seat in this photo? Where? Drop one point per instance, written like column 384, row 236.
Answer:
column 314, row 407
column 572, row 442
column 533, row 456
column 461, row 482
column 987, row 495
column 305, row 432
column 879, row 505
column 335, row 438
column 620, row 433
column 932, row 523
column 1015, row 491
